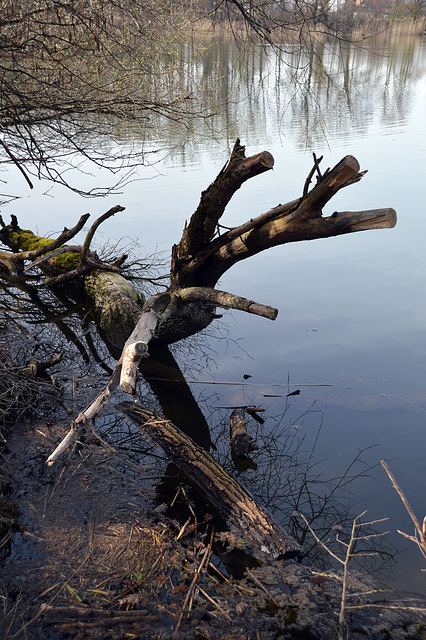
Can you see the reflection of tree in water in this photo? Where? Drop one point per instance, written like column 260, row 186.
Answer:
column 340, row 88
column 334, row 90
column 25, row 388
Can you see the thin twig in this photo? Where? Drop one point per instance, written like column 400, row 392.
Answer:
column 420, row 531
column 349, row 554
column 188, row 600
column 311, row 173
column 214, row 603
column 259, row 584
column 404, row 500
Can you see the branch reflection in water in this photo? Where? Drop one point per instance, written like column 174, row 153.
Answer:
column 285, row 476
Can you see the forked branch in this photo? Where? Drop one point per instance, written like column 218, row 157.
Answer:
column 202, row 257
column 349, row 553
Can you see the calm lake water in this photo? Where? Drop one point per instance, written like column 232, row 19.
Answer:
column 352, row 309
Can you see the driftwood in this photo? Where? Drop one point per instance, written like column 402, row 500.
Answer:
column 84, row 617
column 217, row 485
column 132, row 328
column 37, row 368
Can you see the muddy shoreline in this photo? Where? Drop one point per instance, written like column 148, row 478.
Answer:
column 92, row 558
column 91, row 549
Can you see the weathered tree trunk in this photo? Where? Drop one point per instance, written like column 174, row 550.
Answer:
column 115, row 306
column 131, row 326
column 201, row 257
column 216, row 484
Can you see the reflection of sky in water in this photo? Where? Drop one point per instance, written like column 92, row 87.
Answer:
column 364, row 293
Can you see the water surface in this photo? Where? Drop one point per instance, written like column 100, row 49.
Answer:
column 352, row 310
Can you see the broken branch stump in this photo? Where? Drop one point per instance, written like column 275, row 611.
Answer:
column 241, row 442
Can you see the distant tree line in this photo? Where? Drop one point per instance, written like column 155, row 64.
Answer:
column 72, row 71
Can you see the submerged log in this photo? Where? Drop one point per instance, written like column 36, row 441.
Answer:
column 241, row 442
column 227, row 495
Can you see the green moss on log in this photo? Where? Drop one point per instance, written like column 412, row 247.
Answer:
column 113, row 301
column 26, row 240
column 67, row 261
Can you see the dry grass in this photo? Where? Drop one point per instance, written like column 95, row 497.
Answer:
column 382, row 29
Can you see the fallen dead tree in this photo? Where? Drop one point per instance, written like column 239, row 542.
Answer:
column 201, row 257
column 131, row 327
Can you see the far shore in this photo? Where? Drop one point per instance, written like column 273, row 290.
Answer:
column 351, row 30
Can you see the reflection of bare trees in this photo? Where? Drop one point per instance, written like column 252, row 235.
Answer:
column 288, row 479
column 77, row 77
column 332, row 90
column 346, row 87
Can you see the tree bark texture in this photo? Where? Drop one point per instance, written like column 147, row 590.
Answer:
column 216, row 484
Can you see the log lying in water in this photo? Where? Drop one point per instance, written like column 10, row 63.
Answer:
column 241, row 442
column 216, row 485
column 129, row 326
